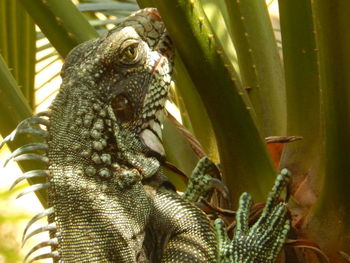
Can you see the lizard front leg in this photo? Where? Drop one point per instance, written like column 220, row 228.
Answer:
column 181, row 230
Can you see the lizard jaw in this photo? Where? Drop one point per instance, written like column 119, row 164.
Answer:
column 151, row 134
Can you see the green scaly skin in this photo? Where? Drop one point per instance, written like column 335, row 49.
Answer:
column 108, row 200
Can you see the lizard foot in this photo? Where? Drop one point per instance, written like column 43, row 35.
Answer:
column 202, row 180
column 263, row 241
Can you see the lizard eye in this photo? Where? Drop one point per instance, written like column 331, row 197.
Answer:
column 122, row 108
column 130, row 54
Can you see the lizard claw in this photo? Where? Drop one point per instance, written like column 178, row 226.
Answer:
column 219, row 186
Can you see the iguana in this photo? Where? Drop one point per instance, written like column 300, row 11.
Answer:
column 108, row 199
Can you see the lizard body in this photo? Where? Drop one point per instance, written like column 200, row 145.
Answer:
column 108, row 200
column 112, row 94
column 104, row 143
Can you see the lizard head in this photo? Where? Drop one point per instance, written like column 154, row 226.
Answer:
column 113, row 93
column 132, row 66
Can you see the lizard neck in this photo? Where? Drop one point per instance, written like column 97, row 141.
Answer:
column 95, row 190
